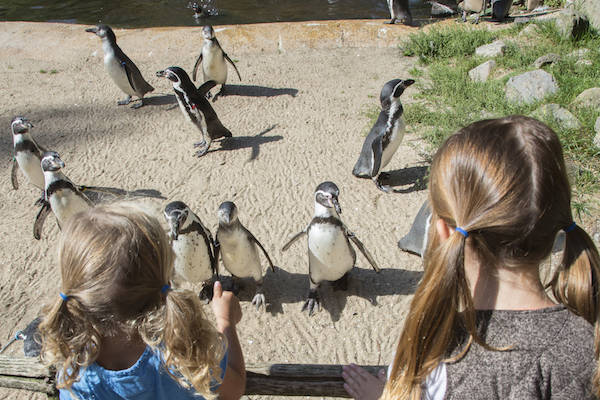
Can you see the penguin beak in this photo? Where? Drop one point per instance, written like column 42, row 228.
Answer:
column 407, row 83
column 61, row 163
column 336, row 205
column 92, row 30
column 161, row 74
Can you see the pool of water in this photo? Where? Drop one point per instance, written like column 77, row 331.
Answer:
column 147, row 13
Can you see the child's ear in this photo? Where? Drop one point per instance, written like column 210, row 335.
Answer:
column 443, row 230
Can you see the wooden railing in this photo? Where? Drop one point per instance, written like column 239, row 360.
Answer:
column 262, row 379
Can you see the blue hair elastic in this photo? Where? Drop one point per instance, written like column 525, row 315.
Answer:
column 63, row 296
column 570, row 227
column 165, row 288
column 462, row 231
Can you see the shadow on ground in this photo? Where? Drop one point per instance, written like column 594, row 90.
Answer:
column 253, row 142
column 413, row 177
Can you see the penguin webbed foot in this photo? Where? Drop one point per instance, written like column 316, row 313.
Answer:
column 124, row 102
column 391, row 21
column 42, row 200
column 312, row 303
column 259, row 300
column 138, row 105
column 203, row 150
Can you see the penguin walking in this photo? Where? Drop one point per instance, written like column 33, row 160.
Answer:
column 477, row 6
column 121, row 69
column 193, row 246
column 385, row 136
column 214, row 61
column 195, row 107
column 62, row 196
column 28, row 155
column 330, row 255
column 238, row 248
column 399, row 12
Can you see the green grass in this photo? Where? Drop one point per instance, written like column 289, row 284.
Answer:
column 450, row 100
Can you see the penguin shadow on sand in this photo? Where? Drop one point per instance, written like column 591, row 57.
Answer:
column 160, row 100
column 283, row 287
column 256, row 91
column 406, row 180
column 253, row 142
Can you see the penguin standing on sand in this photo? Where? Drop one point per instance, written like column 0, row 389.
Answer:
column 214, row 60
column 62, row 196
column 238, row 248
column 28, row 155
column 330, row 255
column 195, row 107
column 193, row 246
column 399, row 12
column 385, row 136
column 120, row 68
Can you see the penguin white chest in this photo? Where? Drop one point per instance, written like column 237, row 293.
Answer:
column 214, row 66
column 30, row 166
column 117, row 72
column 192, row 259
column 65, row 204
column 329, row 253
column 240, row 256
column 395, row 139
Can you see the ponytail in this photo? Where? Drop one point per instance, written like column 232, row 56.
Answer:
column 192, row 348
column 576, row 283
column 69, row 339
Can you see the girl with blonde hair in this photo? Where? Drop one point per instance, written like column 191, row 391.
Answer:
column 118, row 330
column 481, row 324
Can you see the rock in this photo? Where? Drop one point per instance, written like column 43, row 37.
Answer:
column 583, row 61
column 521, row 20
column 554, row 113
column 530, row 86
column 597, row 137
column 588, row 98
column 547, row 59
column 579, row 53
column 571, row 23
column 529, row 30
column 482, row 72
column 491, row 50
column 591, row 9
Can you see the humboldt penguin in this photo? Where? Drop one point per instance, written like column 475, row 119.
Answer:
column 195, row 107
column 476, row 6
column 399, row 12
column 238, row 248
column 330, row 254
column 121, row 69
column 214, row 60
column 385, row 136
column 28, row 155
column 193, row 246
column 415, row 241
column 63, row 197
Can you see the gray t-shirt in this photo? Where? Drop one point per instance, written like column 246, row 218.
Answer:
column 552, row 357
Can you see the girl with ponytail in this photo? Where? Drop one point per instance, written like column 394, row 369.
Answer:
column 117, row 329
column 481, row 324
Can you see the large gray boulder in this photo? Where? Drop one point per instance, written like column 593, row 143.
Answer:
column 591, row 9
column 482, row 71
column 493, row 49
column 571, row 23
column 588, row 98
column 530, row 87
column 554, row 113
column 547, row 59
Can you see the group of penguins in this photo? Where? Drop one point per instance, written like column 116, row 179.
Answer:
column 330, row 251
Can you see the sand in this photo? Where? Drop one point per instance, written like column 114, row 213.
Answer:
column 298, row 119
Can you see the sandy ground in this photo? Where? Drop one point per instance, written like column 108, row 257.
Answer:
column 297, row 119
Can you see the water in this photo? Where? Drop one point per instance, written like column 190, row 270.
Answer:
column 146, row 13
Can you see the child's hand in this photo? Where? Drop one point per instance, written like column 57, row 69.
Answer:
column 361, row 385
column 226, row 307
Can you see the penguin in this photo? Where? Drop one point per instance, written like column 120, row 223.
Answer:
column 193, row 246
column 385, row 136
column 500, row 9
column 415, row 241
column 399, row 12
column 213, row 59
column 194, row 106
column 62, row 196
column 238, row 248
column 121, row 69
column 330, row 254
column 477, row 6
column 28, row 155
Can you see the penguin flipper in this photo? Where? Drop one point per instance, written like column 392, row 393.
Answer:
column 377, row 151
column 363, row 250
column 39, row 220
column 13, row 174
column 214, row 262
column 196, row 65
column 233, row 65
column 293, row 239
column 205, row 87
column 135, row 78
column 255, row 240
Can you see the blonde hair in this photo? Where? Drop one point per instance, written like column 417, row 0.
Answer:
column 504, row 182
column 115, row 260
